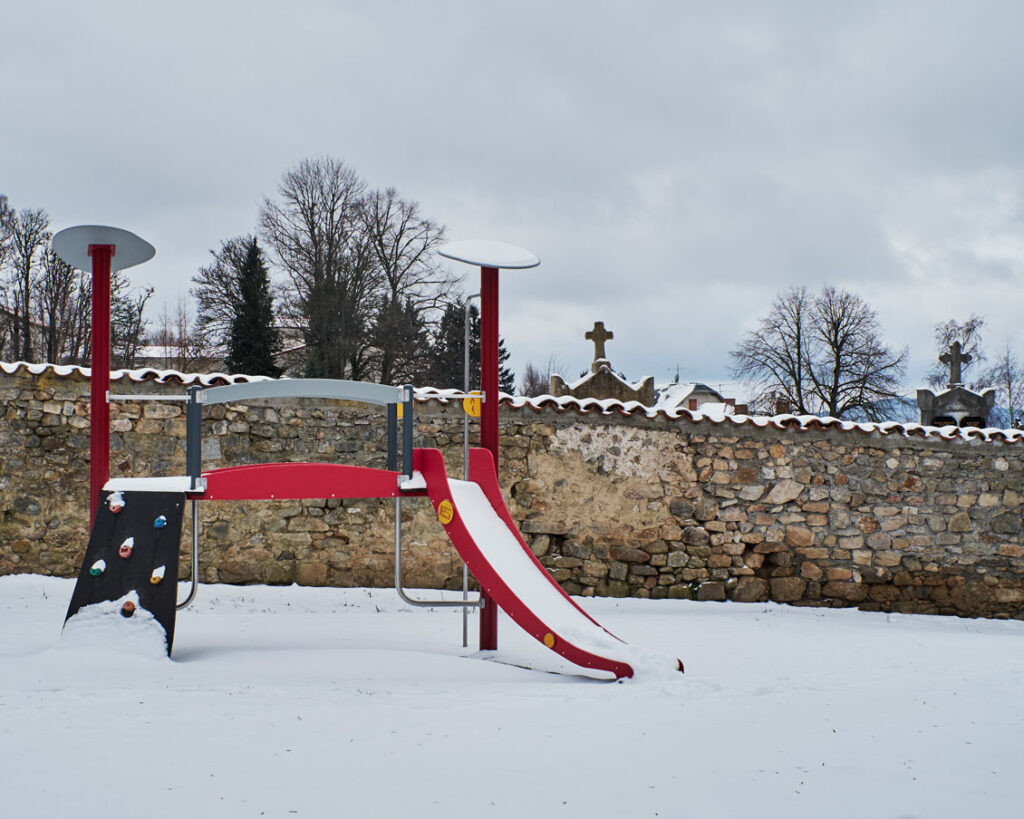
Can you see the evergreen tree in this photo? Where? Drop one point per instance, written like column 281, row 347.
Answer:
column 447, row 355
column 254, row 341
column 400, row 336
column 506, row 378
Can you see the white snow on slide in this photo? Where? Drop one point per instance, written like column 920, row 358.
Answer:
column 504, row 552
column 322, row 702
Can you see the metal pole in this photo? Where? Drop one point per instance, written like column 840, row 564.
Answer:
column 465, row 458
column 465, row 387
column 489, row 417
column 392, row 434
column 195, row 558
column 194, row 438
column 407, row 422
column 99, row 380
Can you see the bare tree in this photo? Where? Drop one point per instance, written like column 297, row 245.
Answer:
column 31, row 233
column 410, row 285
column 60, row 302
column 824, row 355
column 1007, row 376
column 536, row 381
column 773, row 358
column 314, row 231
column 968, row 333
column 6, row 230
column 127, row 320
column 182, row 344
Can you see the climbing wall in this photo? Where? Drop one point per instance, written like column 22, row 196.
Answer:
column 134, row 547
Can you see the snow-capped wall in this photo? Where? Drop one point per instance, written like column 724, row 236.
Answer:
column 615, row 499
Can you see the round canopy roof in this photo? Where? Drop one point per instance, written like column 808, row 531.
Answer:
column 486, row 253
column 72, row 245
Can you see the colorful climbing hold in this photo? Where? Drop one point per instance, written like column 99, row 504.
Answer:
column 128, row 609
column 125, row 549
column 116, row 502
column 160, row 522
column 97, row 568
column 158, row 574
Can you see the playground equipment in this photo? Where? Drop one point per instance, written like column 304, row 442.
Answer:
column 102, row 250
column 132, row 555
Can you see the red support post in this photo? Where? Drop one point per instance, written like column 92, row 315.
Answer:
column 489, row 416
column 99, row 409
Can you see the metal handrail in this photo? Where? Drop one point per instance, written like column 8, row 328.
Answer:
column 124, row 396
column 362, row 391
column 465, row 454
column 380, row 394
column 398, row 574
column 195, row 560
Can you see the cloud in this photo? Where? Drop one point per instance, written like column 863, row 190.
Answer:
column 674, row 165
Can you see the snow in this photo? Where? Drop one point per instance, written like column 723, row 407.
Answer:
column 138, row 375
column 170, row 483
column 417, row 481
column 488, row 253
column 583, row 406
column 286, row 702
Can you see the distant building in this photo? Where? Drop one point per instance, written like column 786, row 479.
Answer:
column 695, row 396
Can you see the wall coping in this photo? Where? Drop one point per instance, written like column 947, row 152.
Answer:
column 580, row 406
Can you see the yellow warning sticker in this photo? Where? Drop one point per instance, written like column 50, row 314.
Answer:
column 445, row 512
column 549, row 640
column 471, row 406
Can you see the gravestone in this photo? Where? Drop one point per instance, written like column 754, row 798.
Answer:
column 603, row 382
column 957, row 405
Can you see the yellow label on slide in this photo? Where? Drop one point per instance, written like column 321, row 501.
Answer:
column 471, row 406
column 549, row 640
column 445, row 512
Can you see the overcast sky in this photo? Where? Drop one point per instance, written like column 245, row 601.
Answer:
column 674, row 165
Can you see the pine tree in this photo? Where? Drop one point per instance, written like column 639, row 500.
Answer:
column 506, row 378
column 447, row 355
column 400, row 334
column 254, row 341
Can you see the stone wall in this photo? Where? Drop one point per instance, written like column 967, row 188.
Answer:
column 612, row 503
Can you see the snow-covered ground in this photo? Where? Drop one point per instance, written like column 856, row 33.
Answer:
column 286, row 702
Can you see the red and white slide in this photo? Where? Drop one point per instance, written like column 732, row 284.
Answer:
column 480, row 527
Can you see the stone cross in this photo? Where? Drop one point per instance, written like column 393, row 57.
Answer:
column 599, row 336
column 954, row 358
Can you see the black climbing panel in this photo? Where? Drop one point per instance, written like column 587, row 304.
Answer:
column 134, row 546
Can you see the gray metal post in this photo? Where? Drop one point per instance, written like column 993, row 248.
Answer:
column 407, row 421
column 392, row 437
column 194, row 437
column 465, row 456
